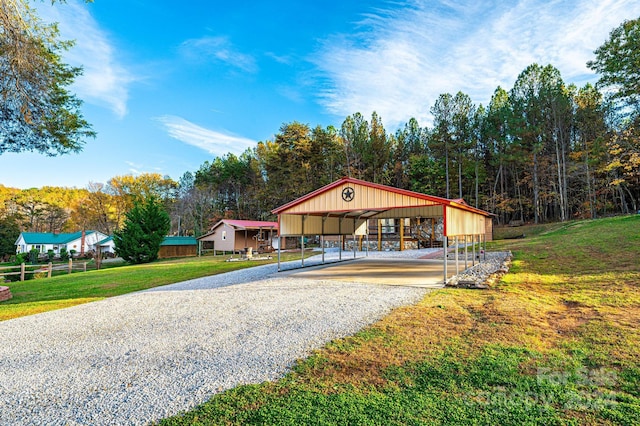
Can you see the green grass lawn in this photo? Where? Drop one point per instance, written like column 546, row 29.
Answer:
column 64, row 290
column 555, row 342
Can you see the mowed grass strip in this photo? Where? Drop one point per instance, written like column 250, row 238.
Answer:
column 61, row 291
column 555, row 342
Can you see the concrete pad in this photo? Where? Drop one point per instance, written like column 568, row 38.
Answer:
column 425, row 273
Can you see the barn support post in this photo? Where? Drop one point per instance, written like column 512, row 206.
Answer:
column 367, row 240
column 379, row 235
column 401, row 220
column 279, row 249
column 445, row 244
column 457, row 240
column 466, row 253
column 355, row 246
column 433, row 230
column 473, row 249
column 304, row 218
column 340, row 238
column 485, row 247
column 324, row 218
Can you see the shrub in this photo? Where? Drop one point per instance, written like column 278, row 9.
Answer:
column 50, row 255
column 64, row 254
column 21, row 258
column 33, row 256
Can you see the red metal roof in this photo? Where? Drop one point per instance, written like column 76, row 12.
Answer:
column 250, row 224
column 444, row 201
column 242, row 224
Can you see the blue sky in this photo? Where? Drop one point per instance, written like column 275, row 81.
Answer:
column 170, row 85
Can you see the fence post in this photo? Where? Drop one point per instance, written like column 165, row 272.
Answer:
column 50, row 269
column 85, row 267
column 70, row 264
column 22, row 272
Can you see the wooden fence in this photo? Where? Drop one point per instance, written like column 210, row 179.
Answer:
column 48, row 269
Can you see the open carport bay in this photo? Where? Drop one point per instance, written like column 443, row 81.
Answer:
column 426, row 273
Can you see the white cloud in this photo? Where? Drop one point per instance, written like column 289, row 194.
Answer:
column 135, row 168
column 406, row 56
column 218, row 49
column 104, row 80
column 214, row 142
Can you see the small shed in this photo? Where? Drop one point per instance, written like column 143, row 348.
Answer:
column 229, row 235
column 178, row 247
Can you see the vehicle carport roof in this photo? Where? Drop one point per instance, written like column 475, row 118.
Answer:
column 376, row 206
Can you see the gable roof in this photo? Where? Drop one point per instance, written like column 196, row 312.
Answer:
column 105, row 241
column 242, row 225
column 249, row 224
column 418, row 198
column 51, row 238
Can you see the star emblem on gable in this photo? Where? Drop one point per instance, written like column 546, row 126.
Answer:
column 347, row 194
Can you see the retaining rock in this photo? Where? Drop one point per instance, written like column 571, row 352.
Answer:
column 5, row 293
column 481, row 275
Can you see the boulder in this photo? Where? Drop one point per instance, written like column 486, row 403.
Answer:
column 5, row 293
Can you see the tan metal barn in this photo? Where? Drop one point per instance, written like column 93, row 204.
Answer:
column 343, row 208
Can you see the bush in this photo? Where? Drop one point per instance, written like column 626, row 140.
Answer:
column 64, row 254
column 21, row 258
column 33, row 256
column 50, row 255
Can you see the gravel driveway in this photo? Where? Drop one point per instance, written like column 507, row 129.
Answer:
column 144, row 356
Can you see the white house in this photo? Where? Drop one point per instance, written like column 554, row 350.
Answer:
column 106, row 245
column 45, row 241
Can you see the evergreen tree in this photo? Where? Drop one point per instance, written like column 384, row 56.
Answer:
column 37, row 112
column 9, row 233
column 145, row 226
column 617, row 62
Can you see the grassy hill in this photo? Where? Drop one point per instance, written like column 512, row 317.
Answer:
column 557, row 341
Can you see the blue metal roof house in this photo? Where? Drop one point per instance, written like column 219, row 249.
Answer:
column 45, row 241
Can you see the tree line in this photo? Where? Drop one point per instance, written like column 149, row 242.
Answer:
column 542, row 150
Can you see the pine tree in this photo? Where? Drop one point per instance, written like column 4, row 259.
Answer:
column 145, row 226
